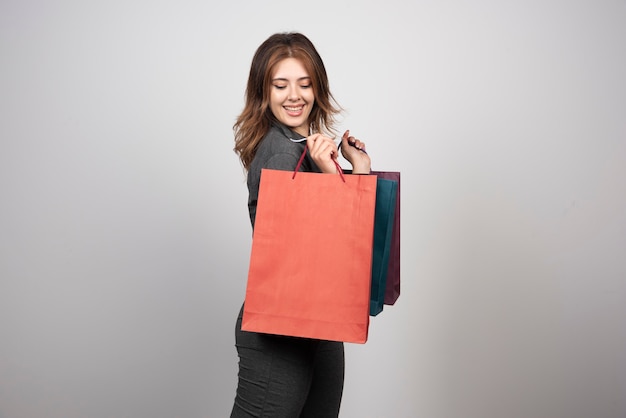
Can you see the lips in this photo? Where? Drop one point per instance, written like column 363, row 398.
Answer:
column 294, row 111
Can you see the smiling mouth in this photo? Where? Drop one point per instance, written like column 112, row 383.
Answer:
column 294, row 110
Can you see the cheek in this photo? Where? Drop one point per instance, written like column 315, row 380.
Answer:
column 274, row 98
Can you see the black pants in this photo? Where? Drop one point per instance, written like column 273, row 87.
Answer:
column 287, row 377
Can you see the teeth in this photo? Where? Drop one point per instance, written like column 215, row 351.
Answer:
column 293, row 109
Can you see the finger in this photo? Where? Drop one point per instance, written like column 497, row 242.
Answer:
column 320, row 145
column 312, row 142
column 312, row 138
column 328, row 146
column 358, row 144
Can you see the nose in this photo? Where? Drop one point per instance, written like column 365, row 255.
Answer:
column 293, row 94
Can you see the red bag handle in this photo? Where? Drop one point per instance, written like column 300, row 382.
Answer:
column 302, row 159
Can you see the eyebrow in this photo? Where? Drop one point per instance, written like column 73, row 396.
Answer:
column 284, row 79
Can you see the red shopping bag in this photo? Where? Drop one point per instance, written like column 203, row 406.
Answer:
column 311, row 258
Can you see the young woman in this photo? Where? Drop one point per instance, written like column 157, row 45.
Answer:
column 288, row 104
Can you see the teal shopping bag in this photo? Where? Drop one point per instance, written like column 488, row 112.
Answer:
column 386, row 192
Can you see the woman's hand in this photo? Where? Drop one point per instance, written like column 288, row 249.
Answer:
column 324, row 152
column 353, row 150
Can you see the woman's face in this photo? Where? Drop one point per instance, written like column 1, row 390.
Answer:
column 291, row 97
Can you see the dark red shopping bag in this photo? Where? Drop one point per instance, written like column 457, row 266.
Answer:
column 311, row 258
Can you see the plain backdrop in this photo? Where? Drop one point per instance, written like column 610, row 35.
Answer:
column 124, row 233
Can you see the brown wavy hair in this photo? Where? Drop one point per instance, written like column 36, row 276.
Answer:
column 256, row 118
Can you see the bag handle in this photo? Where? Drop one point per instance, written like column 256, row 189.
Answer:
column 339, row 170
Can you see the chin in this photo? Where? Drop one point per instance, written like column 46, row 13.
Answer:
column 294, row 126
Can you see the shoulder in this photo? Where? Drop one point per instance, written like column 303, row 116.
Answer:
column 280, row 149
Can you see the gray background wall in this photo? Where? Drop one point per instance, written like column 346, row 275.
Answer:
column 124, row 235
